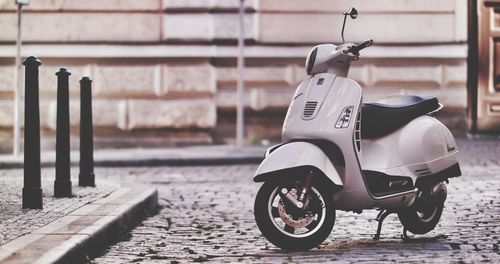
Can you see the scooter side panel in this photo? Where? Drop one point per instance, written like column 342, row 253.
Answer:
column 294, row 155
column 341, row 94
column 313, row 89
column 423, row 147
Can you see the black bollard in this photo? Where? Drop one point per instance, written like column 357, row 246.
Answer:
column 32, row 191
column 86, row 177
column 62, row 184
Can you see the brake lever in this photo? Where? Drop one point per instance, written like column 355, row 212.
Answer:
column 350, row 49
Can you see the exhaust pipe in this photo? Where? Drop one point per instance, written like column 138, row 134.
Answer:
column 437, row 196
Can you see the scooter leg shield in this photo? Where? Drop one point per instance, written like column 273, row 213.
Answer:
column 296, row 155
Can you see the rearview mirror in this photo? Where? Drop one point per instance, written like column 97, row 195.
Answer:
column 353, row 13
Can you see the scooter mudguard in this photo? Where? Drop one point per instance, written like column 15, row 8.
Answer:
column 296, row 155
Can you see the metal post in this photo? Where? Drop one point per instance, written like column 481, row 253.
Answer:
column 62, row 184
column 240, row 123
column 472, row 65
column 86, row 177
column 32, row 191
column 17, row 81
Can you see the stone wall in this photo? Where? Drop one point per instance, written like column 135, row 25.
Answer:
column 165, row 71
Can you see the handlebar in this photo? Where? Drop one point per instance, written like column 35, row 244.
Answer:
column 356, row 48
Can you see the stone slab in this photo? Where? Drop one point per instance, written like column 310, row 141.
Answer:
column 424, row 75
column 206, row 27
column 68, row 27
column 87, row 5
column 6, row 79
column 391, row 28
column 207, row 4
column 6, row 113
column 202, row 51
column 122, row 81
column 265, row 76
column 43, row 249
column 363, row 6
column 196, row 78
column 187, row 113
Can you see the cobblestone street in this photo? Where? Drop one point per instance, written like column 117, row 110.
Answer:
column 207, row 215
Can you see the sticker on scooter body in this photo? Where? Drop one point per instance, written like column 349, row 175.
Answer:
column 345, row 117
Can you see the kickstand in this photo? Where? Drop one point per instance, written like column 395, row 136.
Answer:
column 407, row 238
column 380, row 218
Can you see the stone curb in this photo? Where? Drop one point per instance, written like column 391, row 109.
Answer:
column 179, row 162
column 185, row 156
column 149, row 162
column 85, row 231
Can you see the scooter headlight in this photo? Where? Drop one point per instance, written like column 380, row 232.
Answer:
column 345, row 117
column 311, row 59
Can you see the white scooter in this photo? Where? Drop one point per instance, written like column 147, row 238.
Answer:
column 340, row 154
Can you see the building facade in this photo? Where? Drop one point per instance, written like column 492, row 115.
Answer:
column 164, row 72
column 483, row 60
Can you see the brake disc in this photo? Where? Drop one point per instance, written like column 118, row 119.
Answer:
column 302, row 221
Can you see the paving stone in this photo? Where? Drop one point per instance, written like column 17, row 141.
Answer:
column 207, row 216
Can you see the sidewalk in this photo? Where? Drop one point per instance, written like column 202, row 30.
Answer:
column 181, row 156
column 67, row 229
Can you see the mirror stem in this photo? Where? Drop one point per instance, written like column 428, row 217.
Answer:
column 343, row 26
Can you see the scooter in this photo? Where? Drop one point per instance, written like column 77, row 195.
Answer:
column 339, row 154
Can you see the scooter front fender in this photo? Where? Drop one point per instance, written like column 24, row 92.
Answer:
column 293, row 156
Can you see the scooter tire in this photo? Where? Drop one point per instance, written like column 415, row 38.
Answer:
column 277, row 237
column 411, row 220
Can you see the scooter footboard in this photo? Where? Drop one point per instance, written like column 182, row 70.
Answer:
column 296, row 155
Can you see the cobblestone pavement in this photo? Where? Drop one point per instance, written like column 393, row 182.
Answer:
column 207, row 215
column 15, row 221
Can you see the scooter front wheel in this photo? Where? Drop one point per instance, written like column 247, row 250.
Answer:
column 289, row 227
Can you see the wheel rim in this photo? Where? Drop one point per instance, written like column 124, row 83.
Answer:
column 426, row 215
column 302, row 227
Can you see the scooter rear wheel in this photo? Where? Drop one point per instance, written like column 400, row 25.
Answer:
column 421, row 221
column 290, row 228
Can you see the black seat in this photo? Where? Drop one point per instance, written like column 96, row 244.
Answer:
column 385, row 116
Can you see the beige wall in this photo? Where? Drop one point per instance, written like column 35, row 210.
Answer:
column 164, row 71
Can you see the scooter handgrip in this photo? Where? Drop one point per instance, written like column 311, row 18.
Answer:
column 366, row 44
